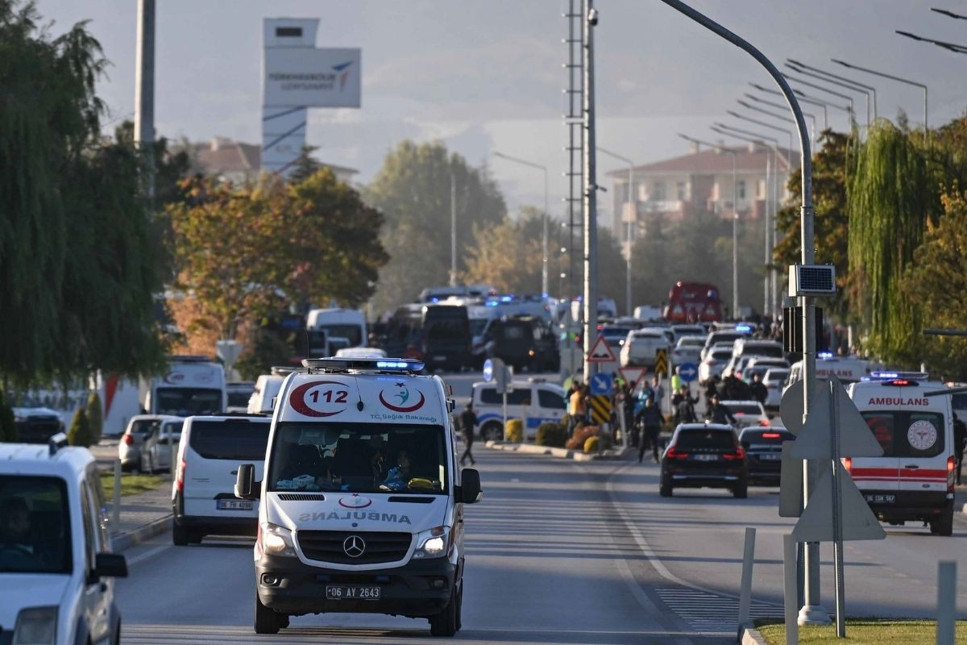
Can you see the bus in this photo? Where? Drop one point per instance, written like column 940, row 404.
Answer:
column 690, row 302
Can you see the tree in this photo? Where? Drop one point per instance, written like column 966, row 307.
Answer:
column 245, row 253
column 935, row 282
column 413, row 190
column 506, row 257
column 80, row 432
column 8, row 425
column 95, row 416
column 890, row 199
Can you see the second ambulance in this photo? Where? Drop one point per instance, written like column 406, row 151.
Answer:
column 913, row 422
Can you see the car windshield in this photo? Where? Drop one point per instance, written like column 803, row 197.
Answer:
column 35, row 532
column 186, row 401
column 704, row 438
column 144, row 426
column 358, row 458
column 232, row 439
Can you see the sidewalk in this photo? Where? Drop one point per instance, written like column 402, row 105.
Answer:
column 142, row 516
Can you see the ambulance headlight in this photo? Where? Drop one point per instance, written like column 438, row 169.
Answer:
column 276, row 540
column 36, row 626
column 434, row 543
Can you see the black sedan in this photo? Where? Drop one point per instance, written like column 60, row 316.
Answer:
column 704, row 455
column 763, row 452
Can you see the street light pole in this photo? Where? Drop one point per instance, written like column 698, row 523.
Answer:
column 144, row 92
column 779, row 116
column 632, row 208
column 453, row 230
column 735, row 220
column 544, row 223
column 926, row 128
column 846, row 97
column 847, row 83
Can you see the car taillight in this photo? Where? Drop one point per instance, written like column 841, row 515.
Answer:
column 672, row 453
column 848, row 464
column 766, row 422
column 735, row 456
column 771, row 435
column 180, row 481
column 951, row 467
column 128, row 439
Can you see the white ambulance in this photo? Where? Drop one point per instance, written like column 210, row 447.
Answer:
column 914, row 479
column 361, row 505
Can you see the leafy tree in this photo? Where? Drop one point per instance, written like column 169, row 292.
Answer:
column 935, row 282
column 80, row 432
column 264, row 351
column 94, row 415
column 890, row 199
column 506, row 257
column 413, row 190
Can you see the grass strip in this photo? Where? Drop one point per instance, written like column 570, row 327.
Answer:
column 863, row 631
column 132, row 483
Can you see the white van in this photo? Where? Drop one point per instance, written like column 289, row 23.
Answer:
column 914, row 479
column 534, row 401
column 202, row 495
column 361, row 506
column 191, row 385
column 848, row 369
column 267, row 387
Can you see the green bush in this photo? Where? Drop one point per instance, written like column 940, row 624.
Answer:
column 551, row 434
column 592, row 444
column 8, row 427
column 80, row 433
column 515, row 431
column 94, row 415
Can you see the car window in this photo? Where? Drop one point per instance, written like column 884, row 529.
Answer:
column 489, row 396
column 239, row 439
column 907, row 434
column 744, row 408
column 520, row 396
column 702, row 438
column 34, row 513
column 550, row 400
column 144, row 426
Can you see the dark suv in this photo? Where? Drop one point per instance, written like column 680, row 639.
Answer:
column 704, row 455
column 763, row 452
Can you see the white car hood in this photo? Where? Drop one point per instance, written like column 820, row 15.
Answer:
column 363, row 512
column 20, row 590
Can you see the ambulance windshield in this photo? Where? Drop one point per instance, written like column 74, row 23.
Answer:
column 359, row 458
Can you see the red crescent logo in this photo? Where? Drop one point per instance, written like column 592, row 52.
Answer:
column 298, row 400
column 355, row 502
column 412, row 408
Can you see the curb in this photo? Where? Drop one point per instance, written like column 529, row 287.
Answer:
column 124, row 541
column 751, row 636
column 560, row 453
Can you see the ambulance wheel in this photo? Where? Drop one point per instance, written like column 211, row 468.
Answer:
column 492, row 431
column 943, row 525
column 445, row 623
column 266, row 620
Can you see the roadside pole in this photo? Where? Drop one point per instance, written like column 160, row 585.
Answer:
column 590, row 195
column 812, row 613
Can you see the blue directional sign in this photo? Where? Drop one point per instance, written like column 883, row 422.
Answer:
column 688, row 372
column 602, row 383
column 488, row 370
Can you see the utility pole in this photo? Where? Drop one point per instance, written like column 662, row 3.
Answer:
column 144, row 93
column 453, row 231
column 590, row 196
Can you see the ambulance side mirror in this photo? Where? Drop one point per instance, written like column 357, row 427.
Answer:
column 245, row 485
column 469, row 492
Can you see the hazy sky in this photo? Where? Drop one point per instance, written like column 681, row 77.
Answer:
column 487, row 75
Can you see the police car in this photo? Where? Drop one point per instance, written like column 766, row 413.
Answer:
column 914, row 479
column 361, row 504
column 56, row 565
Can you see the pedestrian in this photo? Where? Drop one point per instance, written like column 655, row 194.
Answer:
column 758, row 389
column 685, row 408
column 659, row 391
column 676, row 383
column 468, row 421
column 718, row 413
column 960, row 436
column 651, row 420
column 576, row 407
column 711, row 389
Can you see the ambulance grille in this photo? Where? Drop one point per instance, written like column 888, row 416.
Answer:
column 302, row 497
column 327, row 546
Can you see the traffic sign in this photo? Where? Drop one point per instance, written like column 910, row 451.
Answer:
column 688, row 372
column 600, row 408
column 815, row 439
column 661, row 362
column 488, row 370
column 816, row 522
column 601, row 383
column 632, row 375
column 601, row 352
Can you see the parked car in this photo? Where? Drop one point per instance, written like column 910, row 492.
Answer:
column 747, row 413
column 774, row 379
column 681, row 331
column 203, row 492
column 533, row 401
column 704, row 455
column 159, row 445
column 713, row 364
column 139, row 427
column 763, row 452
column 688, row 349
column 641, row 346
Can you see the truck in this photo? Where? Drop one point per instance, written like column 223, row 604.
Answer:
column 190, row 385
column 690, row 302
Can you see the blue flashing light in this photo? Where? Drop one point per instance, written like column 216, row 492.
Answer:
column 491, row 303
column 506, row 298
column 743, row 328
column 392, row 365
column 400, row 365
column 824, row 355
column 434, row 299
column 884, row 375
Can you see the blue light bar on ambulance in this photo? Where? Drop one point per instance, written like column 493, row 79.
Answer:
column 399, row 365
column 889, row 376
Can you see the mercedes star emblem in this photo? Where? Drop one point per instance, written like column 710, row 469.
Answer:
column 354, row 546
